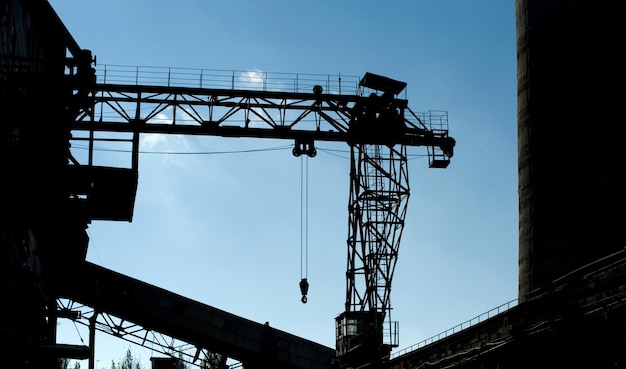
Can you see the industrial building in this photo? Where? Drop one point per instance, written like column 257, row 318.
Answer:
column 572, row 245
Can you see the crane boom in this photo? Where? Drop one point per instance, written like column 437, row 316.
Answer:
column 303, row 117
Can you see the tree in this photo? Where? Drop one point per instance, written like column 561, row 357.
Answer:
column 181, row 362
column 127, row 362
column 65, row 364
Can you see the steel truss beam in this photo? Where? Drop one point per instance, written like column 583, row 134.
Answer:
column 379, row 192
column 142, row 336
column 303, row 117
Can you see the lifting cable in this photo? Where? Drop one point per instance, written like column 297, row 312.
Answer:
column 304, row 226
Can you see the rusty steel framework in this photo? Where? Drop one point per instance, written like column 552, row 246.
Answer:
column 376, row 124
column 119, row 112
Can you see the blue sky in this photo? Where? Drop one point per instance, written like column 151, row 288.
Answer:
column 224, row 229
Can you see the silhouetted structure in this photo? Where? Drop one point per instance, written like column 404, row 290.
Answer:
column 572, row 259
column 571, row 126
column 50, row 88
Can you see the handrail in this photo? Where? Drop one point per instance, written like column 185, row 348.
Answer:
column 457, row 328
column 226, row 79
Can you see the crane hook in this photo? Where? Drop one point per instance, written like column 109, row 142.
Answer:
column 304, row 289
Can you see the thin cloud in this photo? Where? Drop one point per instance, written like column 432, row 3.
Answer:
column 165, row 142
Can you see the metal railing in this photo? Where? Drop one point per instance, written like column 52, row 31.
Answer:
column 226, row 79
column 457, row 328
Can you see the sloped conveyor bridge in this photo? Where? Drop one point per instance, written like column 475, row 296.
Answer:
column 207, row 329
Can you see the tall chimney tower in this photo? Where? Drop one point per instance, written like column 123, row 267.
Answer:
column 571, row 141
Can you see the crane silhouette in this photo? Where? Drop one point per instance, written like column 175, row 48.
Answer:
column 121, row 103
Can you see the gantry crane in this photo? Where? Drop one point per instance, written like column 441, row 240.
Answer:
column 118, row 104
